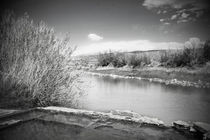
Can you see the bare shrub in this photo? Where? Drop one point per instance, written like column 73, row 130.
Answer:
column 104, row 59
column 35, row 63
column 188, row 56
column 207, row 50
column 118, row 59
column 134, row 61
column 138, row 60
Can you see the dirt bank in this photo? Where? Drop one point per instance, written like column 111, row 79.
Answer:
column 178, row 76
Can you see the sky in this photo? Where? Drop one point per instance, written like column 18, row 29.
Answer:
column 125, row 25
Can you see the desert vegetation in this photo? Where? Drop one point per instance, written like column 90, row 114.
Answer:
column 35, row 64
column 118, row 59
column 110, row 58
column 186, row 57
column 192, row 54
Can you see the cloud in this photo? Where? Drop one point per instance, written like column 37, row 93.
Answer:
column 95, row 37
column 199, row 13
column 159, row 12
column 162, row 20
column 156, row 3
column 164, row 12
column 189, row 10
column 184, row 15
column 183, row 18
column 131, row 45
column 166, row 23
column 177, row 4
column 173, row 17
column 182, row 21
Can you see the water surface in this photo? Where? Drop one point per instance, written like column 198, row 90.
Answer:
column 166, row 102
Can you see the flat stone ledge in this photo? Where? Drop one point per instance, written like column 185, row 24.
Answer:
column 116, row 115
column 181, row 125
column 202, row 127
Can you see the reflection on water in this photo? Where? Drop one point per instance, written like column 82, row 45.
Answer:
column 165, row 102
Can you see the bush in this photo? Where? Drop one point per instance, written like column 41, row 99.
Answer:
column 186, row 57
column 35, row 63
column 146, row 60
column 206, row 50
column 134, row 61
column 190, row 57
column 104, row 59
column 116, row 59
column 164, row 58
column 138, row 60
column 193, row 53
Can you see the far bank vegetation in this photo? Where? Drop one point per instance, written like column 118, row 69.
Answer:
column 193, row 54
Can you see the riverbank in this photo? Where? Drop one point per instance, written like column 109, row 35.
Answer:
column 196, row 77
column 67, row 123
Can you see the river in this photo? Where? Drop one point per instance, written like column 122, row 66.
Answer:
column 166, row 102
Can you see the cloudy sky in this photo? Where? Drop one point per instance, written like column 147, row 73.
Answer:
column 98, row 25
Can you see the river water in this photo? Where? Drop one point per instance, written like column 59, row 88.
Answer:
column 166, row 102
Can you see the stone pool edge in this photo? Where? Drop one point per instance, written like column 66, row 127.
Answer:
column 127, row 117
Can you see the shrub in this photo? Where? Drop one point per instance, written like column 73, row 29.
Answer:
column 186, row 57
column 206, row 50
column 193, row 53
column 164, row 58
column 146, row 60
column 134, row 61
column 35, row 63
column 118, row 60
column 179, row 58
column 191, row 56
column 104, row 59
